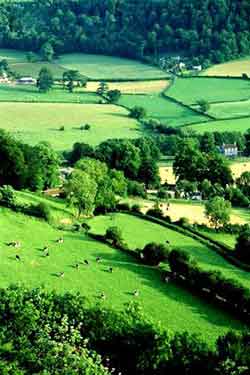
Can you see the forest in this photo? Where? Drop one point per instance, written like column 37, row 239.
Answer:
column 208, row 31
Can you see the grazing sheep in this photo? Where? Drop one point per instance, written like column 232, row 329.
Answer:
column 61, row 274
column 111, row 269
column 45, row 248
column 136, row 293
column 98, row 259
column 168, row 242
column 103, row 296
column 60, row 240
column 17, row 244
column 77, row 266
column 18, row 258
column 86, row 262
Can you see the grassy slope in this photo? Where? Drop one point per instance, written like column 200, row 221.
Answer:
column 241, row 125
column 40, row 122
column 108, row 67
column 148, row 232
column 175, row 308
column 162, row 109
column 229, row 110
column 234, row 68
column 211, row 89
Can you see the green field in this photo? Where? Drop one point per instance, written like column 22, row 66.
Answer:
column 190, row 90
column 162, row 109
column 229, row 110
column 33, row 69
column 108, row 67
column 240, row 125
column 13, row 56
column 29, row 93
column 174, row 307
column 148, row 232
column 34, row 122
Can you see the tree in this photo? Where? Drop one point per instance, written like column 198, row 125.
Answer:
column 80, row 191
column 45, row 80
column 218, row 210
column 242, row 247
column 7, row 196
column 138, row 113
column 207, row 142
column 113, row 96
column 72, row 78
column 114, row 234
column 243, row 183
column 154, row 253
column 47, row 52
column 102, row 89
column 204, row 106
column 80, row 151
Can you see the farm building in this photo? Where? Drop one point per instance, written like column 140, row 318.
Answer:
column 229, row 150
column 26, row 81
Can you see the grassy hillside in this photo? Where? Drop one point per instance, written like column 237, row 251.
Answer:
column 175, row 308
column 234, row 68
column 240, row 125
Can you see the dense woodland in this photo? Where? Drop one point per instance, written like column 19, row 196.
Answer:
column 213, row 30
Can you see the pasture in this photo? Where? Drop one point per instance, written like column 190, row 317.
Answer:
column 162, row 109
column 175, row 308
column 190, row 90
column 237, row 125
column 230, row 110
column 234, row 68
column 150, row 232
column 108, row 67
column 133, row 87
column 32, row 69
column 34, row 122
column 13, row 56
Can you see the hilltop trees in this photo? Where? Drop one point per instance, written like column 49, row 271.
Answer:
column 45, row 80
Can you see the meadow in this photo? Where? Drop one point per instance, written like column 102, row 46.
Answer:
column 174, row 307
column 234, row 68
column 133, row 87
column 150, row 232
column 238, row 125
column 190, row 90
column 230, row 110
column 162, row 109
column 34, row 122
column 108, row 67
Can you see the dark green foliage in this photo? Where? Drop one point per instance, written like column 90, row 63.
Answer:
column 204, row 106
column 114, row 234
column 72, row 78
column 136, row 189
column 113, row 96
column 7, row 196
column 242, row 247
column 138, row 113
column 45, row 80
column 80, row 150
column 154, row 253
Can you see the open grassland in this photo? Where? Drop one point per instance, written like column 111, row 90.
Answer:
column 108, row 67
column 230, row 110
column 29, row 93
column 150, row 232
column 233, row 125
column 233, row 68
column 32, row 69
column 173, row 306
column 190, row 90
column 34, row 122
column 133, row 87
column 225, row 238
column 13, row 56
column 162, row 109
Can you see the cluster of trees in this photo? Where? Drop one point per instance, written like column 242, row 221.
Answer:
column 46, row 333
column 242, row 247
column 209, row 173
column 130, row 28
column 112, row 96
column 23, row 166
column 137, row 159
column 94, row 186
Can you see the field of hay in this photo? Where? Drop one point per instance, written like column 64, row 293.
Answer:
column 133, row 87
column 233, row 68
column 34, row 122
column 239, row 167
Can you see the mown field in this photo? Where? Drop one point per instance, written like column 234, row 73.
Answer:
column 174, row 307
column 233, row 68
column 190, row 90
column 229, row 110
column 34, row 122
column 162, row 109
column 133, row 87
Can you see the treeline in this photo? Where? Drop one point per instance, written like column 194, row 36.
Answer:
column 212, row 30
column 46, row 333
column 24, row 166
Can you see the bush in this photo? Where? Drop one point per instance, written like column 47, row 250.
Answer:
column 242, row 247
column 7, row 196
column 162, row 194
column 136, row 208
column 154, row 253
column 62, row 128
column 44, row 211
column 183, row 221
column 136, row 189
column 114, row 234
column 155, row 212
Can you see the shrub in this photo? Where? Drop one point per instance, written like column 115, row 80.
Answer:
column 183, row 221
column 62, row 128
column 44, row 211
column 114, row 234
column 7, row 196
column 136, row 208
column 242, row 247
column 155, row 212
column 162, row 194
column 136, row 189
column 154, row 253
column 123, row 207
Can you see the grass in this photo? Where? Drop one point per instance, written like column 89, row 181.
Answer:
column 108, row 67
column 34, row 122
column 13, row 56
column 131, row 87
column 29, row 93
column 229, row 110
column 225, row 238
column 162, row 109
column 233, row 125
column 234, row 68
column 174, row 307
column 190, row 90
column 33, row 69
column 207, row 258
